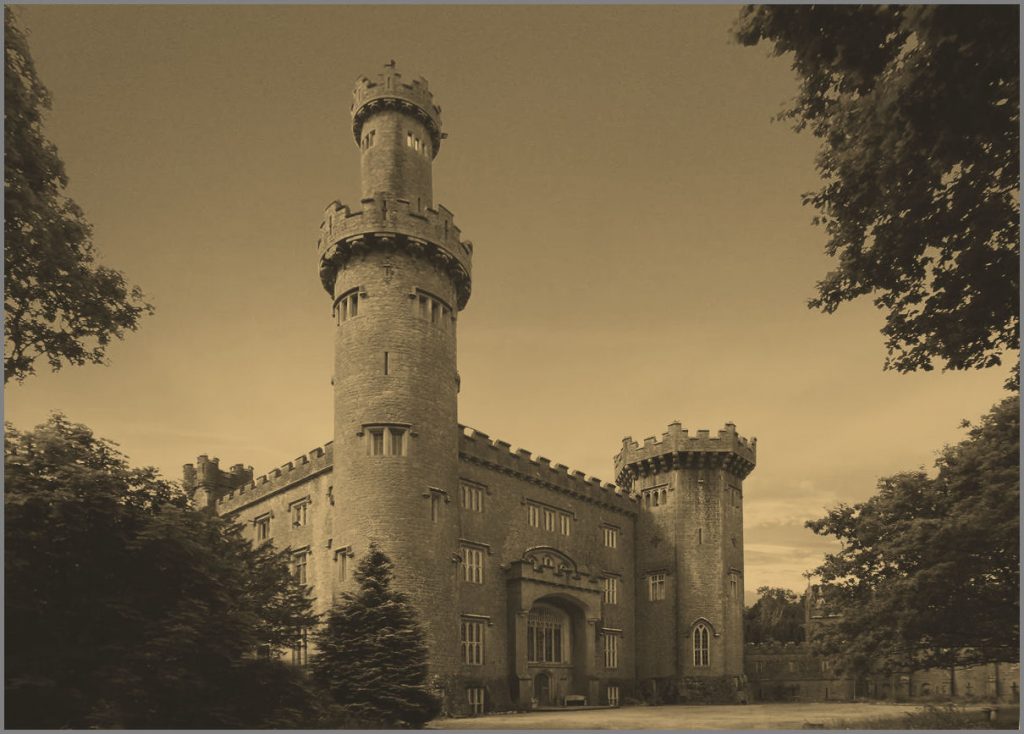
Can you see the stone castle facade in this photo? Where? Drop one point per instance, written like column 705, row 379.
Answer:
column 535, row 585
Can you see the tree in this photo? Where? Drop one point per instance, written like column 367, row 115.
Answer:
column 371, row 656
column 58, row 302
column 928, row 573
column 127, row 609
column 777, row 616
column 917, row 108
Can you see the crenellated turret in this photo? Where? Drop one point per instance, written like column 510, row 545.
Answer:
column 398, row 272
column 689, row 552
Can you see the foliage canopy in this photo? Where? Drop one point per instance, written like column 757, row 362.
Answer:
column 58, row 302
column 929, row 569
column 777, row 616
column 918, row 110
column 127, row 609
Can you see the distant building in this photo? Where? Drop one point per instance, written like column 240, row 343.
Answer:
column 791, row 671
column 536, row 586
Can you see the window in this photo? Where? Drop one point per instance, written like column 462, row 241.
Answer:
column 549, row 519
column 435, row 506
column 408, row 139
column 431, row 308
column 734, row 586
column 534, row 512
column 611, row 537
column 300, row 560
column 472, row 498
column 759, row 666
column 564, row 523
column 610, row 586
column 300, row 650
column 825, row 666
column 341, row 557
column 611, row 650
column 299, row 512
column 387, row 440
column 476, row 700
column 472, row 565
column 613, row 695
column 701, row 646
column 656, row 587
column 347, row 305
column 791, row 666
column 262, row 524
column 545, row 637
column 473, row 641
column 700, row 536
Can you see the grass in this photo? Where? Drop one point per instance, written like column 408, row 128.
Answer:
column 949, row 716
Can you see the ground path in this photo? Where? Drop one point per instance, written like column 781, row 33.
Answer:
column 753, row 716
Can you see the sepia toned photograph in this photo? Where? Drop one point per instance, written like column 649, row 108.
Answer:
column 472, row 367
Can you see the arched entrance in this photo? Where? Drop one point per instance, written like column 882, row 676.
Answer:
column 542, row 688
column 554, row 613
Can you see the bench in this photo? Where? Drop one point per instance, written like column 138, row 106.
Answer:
column 575, row 700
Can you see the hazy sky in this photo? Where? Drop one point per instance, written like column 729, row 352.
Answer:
column 641, row 254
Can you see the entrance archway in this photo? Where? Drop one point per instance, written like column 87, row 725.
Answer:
column 542, row 688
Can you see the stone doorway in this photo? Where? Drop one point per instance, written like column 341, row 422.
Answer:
column 542, row 689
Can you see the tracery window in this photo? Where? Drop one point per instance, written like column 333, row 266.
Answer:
column 701, row 646
column 545, row 637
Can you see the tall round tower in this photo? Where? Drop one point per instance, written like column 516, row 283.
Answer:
column 398, row 274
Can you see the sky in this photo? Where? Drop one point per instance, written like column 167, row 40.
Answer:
column 641, row 253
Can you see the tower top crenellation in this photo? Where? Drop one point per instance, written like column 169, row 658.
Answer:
column 389, row 90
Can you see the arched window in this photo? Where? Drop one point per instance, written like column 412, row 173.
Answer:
column 701, row 646
column 546, row 635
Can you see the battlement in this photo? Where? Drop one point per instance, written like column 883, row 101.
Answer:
column 389, row 90
column 777, row 648
column 316, row 461
column 677, row 444
column 398, row 222
column 478, row 447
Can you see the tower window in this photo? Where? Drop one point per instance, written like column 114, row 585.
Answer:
column 387, row 440
column 408, row 139
column 700, row 536
column 472, row 641
column 701, row 646
column 656, row 587
column 431, row 308
column 386, row 363
column 347, row 305
column 472, row 565
column 435, row 506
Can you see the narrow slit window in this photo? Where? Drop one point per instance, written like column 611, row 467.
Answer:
column 386, row 363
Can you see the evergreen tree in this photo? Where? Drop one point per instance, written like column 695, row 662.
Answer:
column 371, row 656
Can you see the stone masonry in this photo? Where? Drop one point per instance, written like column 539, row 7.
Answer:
column 535, row 585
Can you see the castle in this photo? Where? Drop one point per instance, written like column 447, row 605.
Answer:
column 536, row 586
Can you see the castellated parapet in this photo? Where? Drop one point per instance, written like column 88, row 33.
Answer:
column 205, row 482
column 478, row 447
column 389, row 91
column 678, row 449
column 390, row 222
column 317, row 461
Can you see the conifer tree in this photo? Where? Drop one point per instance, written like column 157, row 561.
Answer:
column 371, row 655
